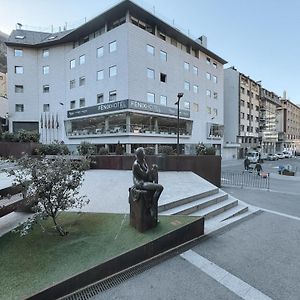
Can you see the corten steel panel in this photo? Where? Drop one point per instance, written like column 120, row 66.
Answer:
column 16, row 149
column 206, row 166
column 124, row 261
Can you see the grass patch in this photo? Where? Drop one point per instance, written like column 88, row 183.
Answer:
column 41, row 259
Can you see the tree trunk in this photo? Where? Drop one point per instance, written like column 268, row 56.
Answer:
column 58, row 228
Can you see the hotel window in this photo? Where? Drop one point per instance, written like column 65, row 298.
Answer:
column 72, row 84
column 163, row 100
column 248, row 105
column 82, row 59
column 46, row 88
column 82, row 81
column 186, row 66
column 46, row 107
column 19, row 88
column 186, row 85
column 19, row 107
column 19, row 70
column 150, row 97
column 195, row 70
column 150, row 49
column 163, row 55
column 45, row 52
column 257, row 108
column 248, row 117
column 18, row 52
column 195, row 107
column 186, row 105
column 208, row 60
column 72, row 104
column 208, row 93
column 242, row 103
column 242, row 127
column 100, row 98
column 242, row 90
column 46, row 70
column 112, row 71
column 208, row 76
column 215, row 95
column 82, row 102
column 112, row 46
column 100, row 75
column 215, row 79
column 163, row 77
column 215, row 110
column 150, row 73
column 215, row 65
column 195, row 89
column 112, row 96
column 162, row 36
column 100, row 51
column 242, row 115
column 72, row 64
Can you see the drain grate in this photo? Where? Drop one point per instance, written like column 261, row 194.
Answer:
column 96, row 288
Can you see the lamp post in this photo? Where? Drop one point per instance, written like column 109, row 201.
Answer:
column 179, row 96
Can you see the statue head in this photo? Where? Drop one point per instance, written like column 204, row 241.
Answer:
column 140, row 153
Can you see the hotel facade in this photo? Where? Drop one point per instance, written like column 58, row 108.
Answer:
column 115, row 79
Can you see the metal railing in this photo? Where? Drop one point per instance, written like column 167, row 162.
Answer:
column 245, row 179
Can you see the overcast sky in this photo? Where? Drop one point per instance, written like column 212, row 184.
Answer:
column 259, row 37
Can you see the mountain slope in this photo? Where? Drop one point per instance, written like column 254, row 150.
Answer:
column 3, row 61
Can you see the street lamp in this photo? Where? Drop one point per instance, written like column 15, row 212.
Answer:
column 179, row 96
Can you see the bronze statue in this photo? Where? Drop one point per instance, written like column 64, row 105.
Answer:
column 145, row 180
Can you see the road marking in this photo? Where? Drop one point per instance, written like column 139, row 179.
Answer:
column 279, row 213
column 236, row 285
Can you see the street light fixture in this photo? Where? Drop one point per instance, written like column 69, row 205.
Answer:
column 179, row 96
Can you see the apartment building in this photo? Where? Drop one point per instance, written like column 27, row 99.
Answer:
column 241, row 114
column 3, row 103
column 269, row 105
column 116, row 79
column 288, row 125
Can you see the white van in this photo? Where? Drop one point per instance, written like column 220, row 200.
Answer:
column 253, row 157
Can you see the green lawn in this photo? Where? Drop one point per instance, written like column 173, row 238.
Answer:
column 33, row 262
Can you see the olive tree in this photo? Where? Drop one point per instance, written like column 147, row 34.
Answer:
column 52, row 185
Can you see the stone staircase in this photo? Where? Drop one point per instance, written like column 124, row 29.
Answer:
column 217, row 207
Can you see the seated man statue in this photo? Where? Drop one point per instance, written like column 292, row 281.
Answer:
column 146, row 179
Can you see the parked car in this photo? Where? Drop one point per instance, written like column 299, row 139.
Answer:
column 287, row 154
column 272, row 156
column 253, row 157
column 279, row 155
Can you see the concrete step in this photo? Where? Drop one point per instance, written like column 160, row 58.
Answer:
column 191, row 207
column 183, row 201
column 216, row 209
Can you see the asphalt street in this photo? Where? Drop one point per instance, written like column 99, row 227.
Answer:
column 261, row 255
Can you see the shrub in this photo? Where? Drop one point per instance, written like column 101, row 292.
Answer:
column 201, row 149
column 168, row 150
column 119, row 149
column 149, row 150
column 54, row 149
column 21, row 136
column 103, row 151
column 86, row 148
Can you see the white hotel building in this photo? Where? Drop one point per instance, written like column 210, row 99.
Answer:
column 116, row 79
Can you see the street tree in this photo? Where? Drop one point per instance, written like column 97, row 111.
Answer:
column 52, row 185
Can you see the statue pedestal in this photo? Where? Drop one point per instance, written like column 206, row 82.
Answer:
column 143, row 212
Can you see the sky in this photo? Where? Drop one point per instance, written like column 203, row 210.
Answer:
column 259, row 37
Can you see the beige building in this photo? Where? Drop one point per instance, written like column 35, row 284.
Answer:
column 269, row 105
column 288, row 124
column 241, row 113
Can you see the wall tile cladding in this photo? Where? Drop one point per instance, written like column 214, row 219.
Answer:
column 139, row 60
